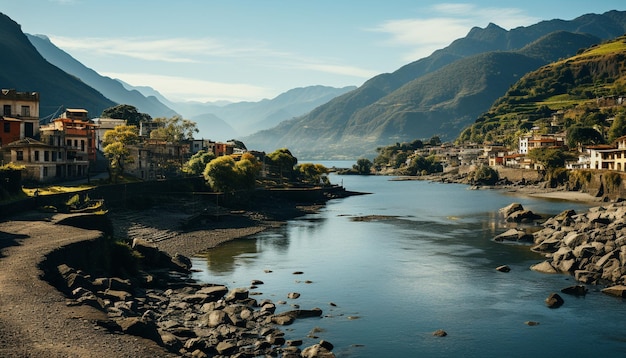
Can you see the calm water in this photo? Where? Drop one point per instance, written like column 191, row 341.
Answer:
column 427, row 264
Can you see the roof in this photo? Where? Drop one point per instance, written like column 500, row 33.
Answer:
column 26, row 142
column 76, row 110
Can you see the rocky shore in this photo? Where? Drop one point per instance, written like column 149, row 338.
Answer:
column 152, row 310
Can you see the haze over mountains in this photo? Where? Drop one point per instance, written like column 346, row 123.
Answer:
column 437, row 95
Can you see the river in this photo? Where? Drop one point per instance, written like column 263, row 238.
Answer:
column 390, row 268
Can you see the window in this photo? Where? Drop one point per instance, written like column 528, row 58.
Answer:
column 36, row 155
column 7, row 127
column 45, row 171
column 6, row 110
column 54, row 156
column 19, row 155
column 25, row 111
column 46, row 156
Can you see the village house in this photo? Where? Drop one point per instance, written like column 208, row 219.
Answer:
column 532, row 141
column 156, row 159
column 20, row 115
column 42, row 162
column 76, row 131
column 609, row 157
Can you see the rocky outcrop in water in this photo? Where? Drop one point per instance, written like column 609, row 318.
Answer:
column 591, row 246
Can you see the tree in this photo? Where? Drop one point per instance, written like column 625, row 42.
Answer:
column 284, row 161
column 551, row 158
column 226, row 175
column 174, row 129
column 579, row 135
column 127, row 112
column 116, row 142
column 363, row 166
column 198, row 162
column 485, row 175
column 618, row 127
column 312, row 173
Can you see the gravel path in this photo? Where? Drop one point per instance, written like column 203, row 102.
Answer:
column 34, row 318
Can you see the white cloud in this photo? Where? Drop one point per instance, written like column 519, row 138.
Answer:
column 187, row 89
column 423, row 35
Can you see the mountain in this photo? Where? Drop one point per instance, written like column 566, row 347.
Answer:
column 24, row 69
column 583, row 89
column 355, row 123
column 110, row 88
column 249, row 117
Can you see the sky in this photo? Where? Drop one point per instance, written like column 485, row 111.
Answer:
column 248, row 50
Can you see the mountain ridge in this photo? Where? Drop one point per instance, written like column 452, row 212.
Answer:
column 329, row 122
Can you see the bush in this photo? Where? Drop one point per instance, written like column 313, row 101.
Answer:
column 484, row 175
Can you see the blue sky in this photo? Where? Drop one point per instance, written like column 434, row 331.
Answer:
column 235, row 50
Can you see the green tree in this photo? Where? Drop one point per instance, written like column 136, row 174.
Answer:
column 198, row 162
column 485, row 175
column 579, row 135
column 284, row 162
column 363, row 166
column 127, row 112
column 227, row 175
column 618, row 127
column 550, row 157
column 116, row 142
column 174, row 129
column 312, row 173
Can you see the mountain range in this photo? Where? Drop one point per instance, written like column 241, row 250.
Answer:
column 438, row 95
column 24, row 69
column 217, row 121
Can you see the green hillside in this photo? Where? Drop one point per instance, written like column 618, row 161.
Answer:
column 435, row 95
column 582, row 89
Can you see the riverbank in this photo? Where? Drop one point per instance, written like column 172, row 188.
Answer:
column 37, row 320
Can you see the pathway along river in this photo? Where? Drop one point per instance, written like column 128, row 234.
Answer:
column 409, row 259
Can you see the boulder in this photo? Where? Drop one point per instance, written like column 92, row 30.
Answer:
column 544, row 267
column 554, row 301
column 140, row 327
column 293, row 295
column 514, row 235
column 617, row 291
column 523, row 216
column 510, row 209
column 576, row 290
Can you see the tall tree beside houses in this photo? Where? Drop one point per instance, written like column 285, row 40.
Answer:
column 116, row 147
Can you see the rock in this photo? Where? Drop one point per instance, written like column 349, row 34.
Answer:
column 226, row 347
column 118, row 284
column 256, row 282
column 182, row 262
column 523, row 216
column 503, row 268
column 510, row 209
column 298, row 273
column 237, row 294
column 316, row 351
column 617, row 291
column 554, row 301
column 117, row 295
column 216, row 318
column 577, row 290
column 138, row 327
column 440, row 333
column 213, row 293
column 293, row 295
column 170, row 341
column 514, row 235
column 531, row 323
column 544, row 267
column 286, row 318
